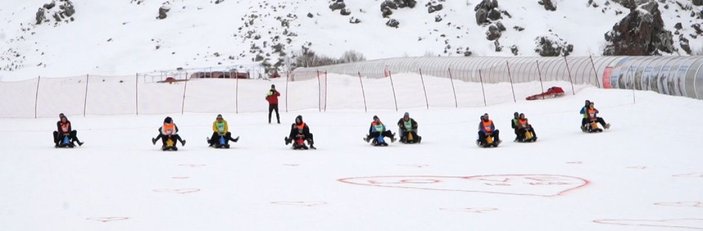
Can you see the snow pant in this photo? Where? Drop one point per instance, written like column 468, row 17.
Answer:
column 373, row 135
column 293, row 136
column 482, row 136
column 71, row 135
column 215, row 138
column 404, row 135
column 273, row 107
column 164, row 138
column 600, row 120
column 521, row 132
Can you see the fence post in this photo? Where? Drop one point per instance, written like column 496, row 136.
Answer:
column 36, row 97
column 539, row 72
column 511, row 80
column 136, row 93
column 595, row 72
column 236, row 94
column 85, row 98
column 570, row 79
column 480, row 77
column 363, row 94
column 423, row 88
column 451, row 79
column 390, row 76
column 287, row 78
column 326, row 80
column 183, row 102
column 319, row 92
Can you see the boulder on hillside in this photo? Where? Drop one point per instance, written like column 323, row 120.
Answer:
column 641, row 32
column 338, row 5
column 393, row 23
column 388, row 6
column 548, row 5
column 493, row 33
column 163, row 11
column 552, row 45
column 487, row 9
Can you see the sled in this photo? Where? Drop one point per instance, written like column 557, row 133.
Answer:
column 529, row 137
column 65, row 142
column 552, row 92
column 299, row 143
column 379, row 141
column 410, row 139
column 490, row 142
column 170, row 145
column 592, row 127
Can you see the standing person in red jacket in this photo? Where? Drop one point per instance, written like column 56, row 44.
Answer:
column 272, row 98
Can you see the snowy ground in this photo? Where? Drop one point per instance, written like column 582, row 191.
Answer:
column 643, row 174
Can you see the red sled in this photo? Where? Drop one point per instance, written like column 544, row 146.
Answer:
column 552, row 92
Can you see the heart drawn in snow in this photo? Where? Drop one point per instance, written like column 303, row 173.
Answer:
column 681, row 223
column 512, row 184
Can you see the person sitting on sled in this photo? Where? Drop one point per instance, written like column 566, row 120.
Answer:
column 487, row 128
column 299, row 131
column 377, row 129
column 408, row 129
column 514, row 123
column 522, row 128
column 584, row 119
column 169, row 130
column 220, row 129
column 63, row 129
column 590, row 116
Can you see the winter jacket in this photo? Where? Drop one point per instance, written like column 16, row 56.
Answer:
column 404, row 127
column 486, row 126
column 220, row 127
column 168, row 129
column 377, row 127
column 299, row 128
column 272, row 97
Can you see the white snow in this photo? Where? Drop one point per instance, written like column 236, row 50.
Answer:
column 120, row 37
column 642, row 174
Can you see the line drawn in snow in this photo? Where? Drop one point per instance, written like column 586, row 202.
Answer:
column 680, row 223
column 414, row 165
column 545, row 185
column 469, row 210
column 192, row 165
column 107, row 219
column 300, row 203
column 694, row 174
column 637, row 167
column 177, row 190
column 696, row 204
column 180, row 177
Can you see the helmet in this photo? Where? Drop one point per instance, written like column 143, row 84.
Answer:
column 375, row 117
column 219, row 116
column 406, row 114
column 516, row 114
column 168, row 120
column 299, row 119
column 522, row 115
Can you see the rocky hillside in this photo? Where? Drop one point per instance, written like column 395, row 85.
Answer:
column 71, row 37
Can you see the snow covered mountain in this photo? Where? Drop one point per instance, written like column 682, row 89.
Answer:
column 66, row 38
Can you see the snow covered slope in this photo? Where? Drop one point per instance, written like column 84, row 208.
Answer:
column 124, row 37
column 644, row 172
